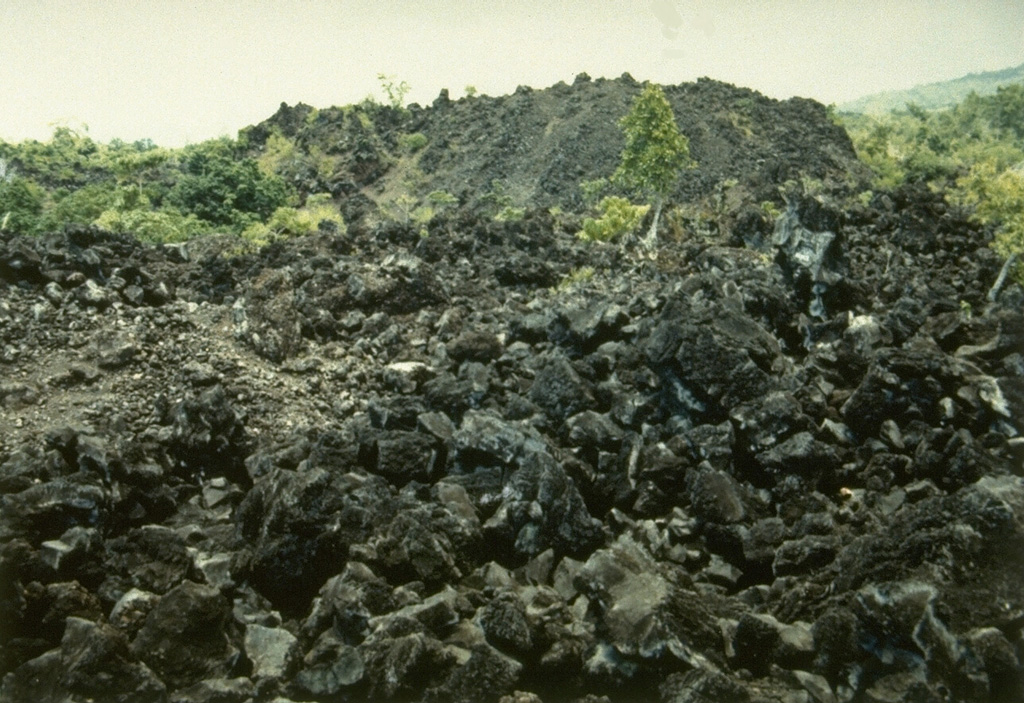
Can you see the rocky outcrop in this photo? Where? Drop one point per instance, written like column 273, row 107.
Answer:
column 376, row 466
column 534, row 147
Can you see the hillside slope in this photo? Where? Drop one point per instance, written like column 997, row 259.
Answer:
column 934, row 96
column 536, row 146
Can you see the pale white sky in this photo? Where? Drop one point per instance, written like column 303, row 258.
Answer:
column 178, row 71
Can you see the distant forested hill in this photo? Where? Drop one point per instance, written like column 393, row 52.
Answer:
column 934, row 96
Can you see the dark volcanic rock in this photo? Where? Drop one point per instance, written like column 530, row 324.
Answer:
column 648, row 612
column 150, row 558
column 480, row 459
column 503, row 620
column 183, row 638
column 715, row 496
column 93, row 662
column 948, row 532
column 541, row 508
column 401, row 456
column 430, row 543
column 483, row 439
column 268, row 321
column 47, row 510
column 801, row 455
column 765, row 422
column 560, row 390
column 403, row 284
column 486, row 676
column 710, row 360
column 330, row 667
column 97, row 664
column 474, row 346
column 208, row 438
column 300, row 526
column 808, row 248
column 403, row 664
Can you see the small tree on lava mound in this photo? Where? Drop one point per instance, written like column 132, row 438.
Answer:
column 654, row 154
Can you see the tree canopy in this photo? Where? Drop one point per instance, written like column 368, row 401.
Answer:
column 655, row 149
column 655, row 152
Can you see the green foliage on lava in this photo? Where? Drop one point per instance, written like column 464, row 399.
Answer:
column 973, row 153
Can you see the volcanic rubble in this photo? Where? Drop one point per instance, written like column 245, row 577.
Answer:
column 784, row 465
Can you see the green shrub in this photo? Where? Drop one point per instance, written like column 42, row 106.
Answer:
column 770, row 210
column 279, row 153
column 407, row 208
column 576, row 277
column 79, row 207
column 437, row 201
column 496, row 199
column 998, row 199
column 510, row 213
column 21, row 203
column 156, row 226
column 594, row 190
column 411, row 143
column 283, row 158
column 365, row 121
column 423, row 214
column 619, row 217
column 319, row 212
column 441, row 198
column 225, row 191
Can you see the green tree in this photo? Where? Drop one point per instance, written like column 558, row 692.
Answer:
column 655, row 152
column 998, row 199
column 81, row 207
column 394, row 90
column 69, row 158
column 939, row 146
column 318, row 214
column 136, row 167
column 21, row 203
column 226, row 191
column 619, row 217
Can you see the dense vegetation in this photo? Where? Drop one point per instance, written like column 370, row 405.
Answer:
column 159, row 195
column 972, row 153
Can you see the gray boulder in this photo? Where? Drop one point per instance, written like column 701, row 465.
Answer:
column 183, row 638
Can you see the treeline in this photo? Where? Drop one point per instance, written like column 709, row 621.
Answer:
column 262, row 186
column 156, row 194
column 973, row 153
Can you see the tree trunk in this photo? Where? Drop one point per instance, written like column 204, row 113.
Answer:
column 650, row 242
column 1003, row 273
